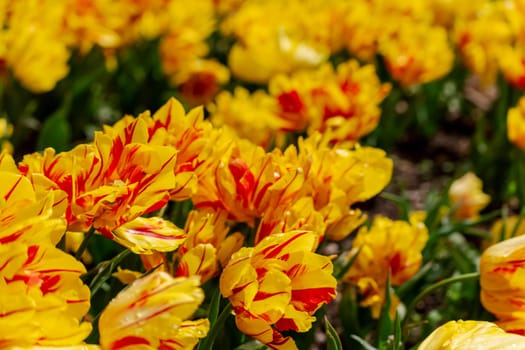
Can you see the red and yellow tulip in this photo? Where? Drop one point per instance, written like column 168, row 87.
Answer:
column 277, row 286
column 138, row 316
column 502, row 269
column 42, row 297
column 388, row 247
column 473, row 335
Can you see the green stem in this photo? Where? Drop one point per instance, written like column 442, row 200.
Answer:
column 520, row 170
column 462, row 225
column 477, row 233
column 85, row 243
column 216, row 327
column 401, row 201
column 412, row 306
column 105, row 270
column 403, row 289
column 518, row 223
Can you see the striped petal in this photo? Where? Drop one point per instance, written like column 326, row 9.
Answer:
column 278, row 285
column 200, row 260
column 502, row 276
column 147, row 235
column 138, row 315
column 472, row 335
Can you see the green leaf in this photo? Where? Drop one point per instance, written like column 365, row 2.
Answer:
column 215, row 304
column 251, row 345
column 343, row 264
column 362, row 342
column 56, row 133
column 332, row 338
column 105, row 270
column 215, row 328
column 385, row 322
column 398, row 341
column 412, row 283
column 465, row 257
column 349, row 313
column 412, row 306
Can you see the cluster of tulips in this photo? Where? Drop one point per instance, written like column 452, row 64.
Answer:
column 237, row 214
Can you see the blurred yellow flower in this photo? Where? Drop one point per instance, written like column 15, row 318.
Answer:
column 515, row 326
column 503, row 229
column 112, row 25
column 138, row 316
column 418, row 54
column 480, row 37
column 32, row 44
column 472, row 335
column 388, row 247
column 363, row 29
column 512, row 63
column 415, row 47
column 183, row 50
column 341, row 102
column 6, row 130
column 272, row 38
column 277, row 286
column 516, row 124
column 202, row 80
column 466, row 196
column 252, row 116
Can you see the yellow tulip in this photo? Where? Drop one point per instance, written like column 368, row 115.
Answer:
column 387, row 247
column 467, row 197
column 471, row 335
column 516, row 124
column 42, row 299
column 502, row 272
column 277, row 286
column 342, row 103
column 138, row 316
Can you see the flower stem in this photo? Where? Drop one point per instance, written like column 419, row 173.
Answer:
column 216, row 327
column 412, row 306
column 85, row 243
column 105, row 270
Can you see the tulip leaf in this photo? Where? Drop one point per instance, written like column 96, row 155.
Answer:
column 398, row 343
column 214, row 307
column 348, row 312
column 332, row 338
column 215, row 328
column 343, row 264
column 55, row 133
column 251, row 345
column 464, row 256
column 385, row 322
column 362, row 342
column 105, row 271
